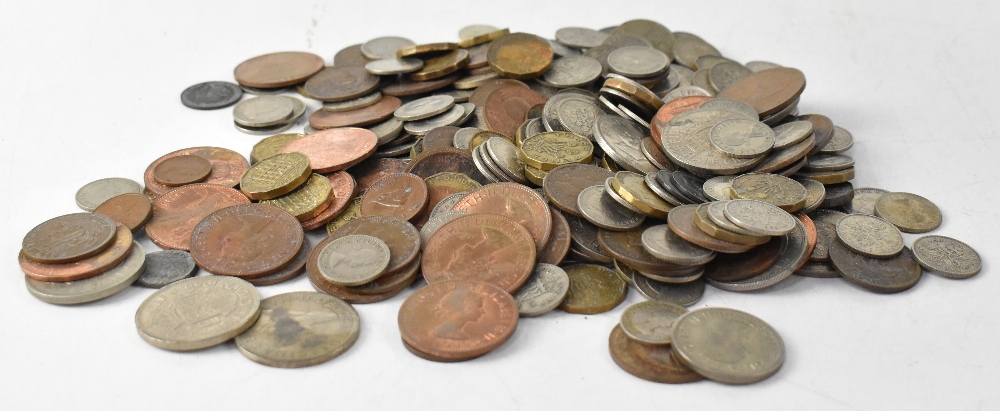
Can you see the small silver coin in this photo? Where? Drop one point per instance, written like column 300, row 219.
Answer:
column 663, row 244
column 94, row 288
column 706, row 340
column 621, row 139
column 387, row 131
column 760, row 217
column 726, row 73
column 574, row 71
column 791, row 133
column 211, row 95
column 353, row 260
column 870, row 236
column 456, row 115
column 384, row 47
column 864, row 200
column 544, row 290
column 601, row 210
column 638, row 61
column 650, row 321
column 446, row 204
column 463, row 137
column 580, row 37
column 391, row 66
column 718, row 188
column 263, row 111
column 841, row 141
column 166, row 267
column 731, row 105
column 97, row 192
column 560, row 50
column 354, row 104
column 828, row 162
column 741, row 138
column 686, row 91
column 947, row 257
column 424, row 108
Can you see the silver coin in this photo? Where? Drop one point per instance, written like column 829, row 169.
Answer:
column 870, row 236
column 543, row 292
column 611, row 107
column 562, row 51
column 601, row 210
column 650, row 321
column 446, row 204
column 436, row 221
column 727, row 345
column 686, row 294
column 717, row 213
column 353, row 260
column 166, row 267
column 455, row 115
column 790, row 110
column 631, row 115
column 947, row 256
column 864, row 200
column 387, row 131
column 742, row 138
column 638, row 61
column 662, row 243
column 94, row 288
column 354, row 104
column 507, row 157
column 687, row 142
column 686, row 91
column 470, row 110
column 264, row 91
column 760, row 217
column 483, row 167
column 492, row 167
column 97, row 192
column 533, row 128
column 700, row 79
column 815, row 194
column 829, row 216
column 620, row 139
column 732, row 105
column 618, row 198
column 573, row 71
column 391, row 66
column 424, row 108
column 580, row 37
column 571, row 112
column 757, row 65
column 461, row 96
column 463, row 137
column 473, row 81
column 828, row 162
column 818, row 269
column 263, row 111
column 673, row 280
column 211, row 95
column 264, row 131
column 791, row 133
column 384, row 47
column 841, row 141
column 298, row 109
column 677, row 76
column 794, row 254
column 718, row 188
column 309, row 129
column 727, row 73
column 654, row 184
column 475, row 30
column 688, row 47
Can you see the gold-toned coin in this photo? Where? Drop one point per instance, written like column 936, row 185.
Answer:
column 829, row 177
column 426, row 50
column 534, row 175
column 307, row 201
column 482, row 137
column 609, row 164
column 351, row 213
column 705, row 223
column 593, row 289
column 482, row 38
column 269, row 146
column 275, row 176
column 454, row 182
column 909, row 212
column 442, row 65
column 520, row 56
column 546, row 151
column 634, row 90
column 633, row 189
column 781, row 191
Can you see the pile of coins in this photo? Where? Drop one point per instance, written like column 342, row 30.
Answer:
column 512, row 174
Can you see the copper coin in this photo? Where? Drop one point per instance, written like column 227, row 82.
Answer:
column 822, row 130
column 452, row 160
column 458, row 319
column 441, row 186
column 133, row 210
column 651, row 362
column 506, row 108
column 115, row 253
column 334, row 149
column 182, row 170
column 563, row 184
column 882, row 275
column 479, row 96
column 400, row 195
column 341, row 83
column 443, row 65
column 402, row 238
column 322, row 119
column 389, row 281
column 584, row 239
column 227, row 167
column 520, row 55
column 681, row 222
column 176, row 213
column 811, row 232
column 626, row 246
column 289, row 271
column 482, row 247
column 350, row 56
column 68, row 238
column 441, row 137
column 671, row 110
column 246, row 241
column 343, row 188
column 738, row 267
column 278, row 69
column 403, row 86
column 514, row 201
column 767, row 91
column 371, row 170
column 559, row 241
column 349, row 294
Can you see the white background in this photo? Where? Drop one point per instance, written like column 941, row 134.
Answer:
column 91, row 90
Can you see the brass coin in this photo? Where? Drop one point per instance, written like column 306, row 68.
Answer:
column 547, row 151
column 275, row 176
column 182, row 170
column 599, row 208
column 351, row 213
column 909, row 212
column 633, row 189
column 870, row 236
column 882, row 275
column 270, row 146
column 520, row 56
column 341, row 83
column 278, row 69
column 425, row 50
column 132, row 210
column 344, row 188
column 68, row 238
column 440, row 66
column 781, row 191
column 307, row 201
column 593, row 289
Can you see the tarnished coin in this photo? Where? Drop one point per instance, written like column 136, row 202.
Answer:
column 483, row 247
column 278, row 69
column 947, row 257
column 580, row 37
column 572, row 112
column 741, row 138
column 727, row 345
column 514, row 201
column 815, row 194
column 543, row 292
column 263, row 111
column 682, row 222
column 198, row 313
column 688, row 48
column 559, row 242
column 353, row 104
column 719, row 188
column 445, row 160
column 791, row 133
column 650, row 321
column 441, row 66
column 94, row 288
column 401, row 195
column 725, row 74
column 684, row 294
column 788, row 194
column 563, row 184
column 401, row 237
column 620, row 139
column 818, row 269
column 909, row 212
column 425, row 107
column 731, row 105
column 520, row 56
column 341, row 83
column 380, row 111
column 384, row 47
column 574, row 71
column 131, row 210
column 864, row 200
column 275, row 176
column 882, row 275
column 687, row 142
column 759, row 217
column 828, row 162
column 335, row 149
column 506, row 108
column 453, row 117
column 507, row 158
column 738, row 267
column 767, row 91
column 353, row 260
column 68, row 238
column 547, row 151
column 664, row 244
column 599, row 208
column 97, row 192
column 393, row 65
column 166, row 267
column 289, row 271
column 343, row 188
column 841, row 141
column 404, row 86
column 826, row 234
column 211, row 95
column 427, row 50
column 870, row 236
column 227, row 167
column 250, row 240
column 632, row 188
column 109, row 257
column 652, row 362
column 593, row 289
column 638, row 61
column 717, row 225
column 307, row 201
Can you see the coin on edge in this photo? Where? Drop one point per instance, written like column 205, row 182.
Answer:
column 94, row 288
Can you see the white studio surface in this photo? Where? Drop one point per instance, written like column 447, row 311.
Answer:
column 91, row 90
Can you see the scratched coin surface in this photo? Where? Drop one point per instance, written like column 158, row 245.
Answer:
column 197, row 313
column 68, row 238
column 652, row 362
column 593, row 289
column 882, row 275
column 727, row 345
column 97, row 192
column 352, row 260
column 176, row 213
column 947, row 256
column 909, row 212
column 870, row 236
column 166, row 267
column 514, row 201
column 650, row 321
column 248, row 241
column 401, row 195
column 759, row 217
column 483, row 247
column 94, row 288
column 544, row 290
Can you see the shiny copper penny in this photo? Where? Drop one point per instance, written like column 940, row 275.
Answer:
column 767, row 91
column 482, row 247
column 681, row 222
column 335, row 149
column 68, row 238
column 479, row 96
column 651, row 362
column 176, row 213
column 371, row 170
column 563, row 184
column 88, row 267
column 343, row 188
column 133, row 210
column 559, row 241
column 181, row 170
column 322, row 119
column 738, row 267
column 505, row 108
column 514, row 201
column 278, row 69
column 246, row 241
column 453, row 160
column 520, row 56
column 403, row 86
column 341, row 83
column 671, row 110
column 400, row 195
column 402, row 238
column 227, row 167
column 458, row 319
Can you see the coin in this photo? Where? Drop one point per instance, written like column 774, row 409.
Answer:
column 870, row 236
column 687, row 142
column 741, row 138
column 506, row 107
column 97, row 192
column 571, row 112
column 593, row 289
column 93, row 288
column 658, row 36
column 826, row 234
column 442, row 160
column 384, row 47
column 718, row 188
column 688, row 47
column 343, row 189
column 401, row 195
column 246, row 241
column 336, row 149
column 353, row 295
column 484, row 247
column 908, row 212
column 176, row 213
column 822, row 269
column 443, row 65
column 483, row 34
column 90, row 266
column 767, row 91
column 682, row 222
column 788, row 194
column 520, row 56
column 132, row 210
column 650, row 321
column 620, row 139
column 840, row 141
column 580, row 37
column 864, row 200
column 278, row 69
column 263, row 111
column 759, row 217
column 543, row 292
column 599, row 208
column 574, row 71
column 275, row 176
column 174, row 317
column 513, row 201
column 882, row 275
column 738, row 267
column 425, row 107
column 376, row 113
column 664, row 244
column 403, row 86
column 227, row 167
column 724, row 74
column 211, row 95
column 778, row 160
column 717, row 225
column 947, row 257
column 269, row 146
column 69, row 238
column 290, row 270
column 652, row 362
column 166, row 267
column 401, row 237
column 638, row 61
column 341, row 83
column 791, row 133
column 353, row 260
column 633, row 190
column 425, row 51
column 727, row 345
column 671, row 109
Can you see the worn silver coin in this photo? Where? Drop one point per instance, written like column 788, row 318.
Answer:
column 870, row 236
column 384, row 47
column 731, row 105
column 828, row 162
column 387, row 131
column 663, row 244
column 947, row 256
column 94, row 288
column 436, row 221
column 263, row 111
column 757, row 65
column 211, row 95
column 166, row 267
column 741, row 138
column 352, row 260
column 574, row 71
column 543, row 292
column 650, row 322
column 353, row 104
column 638, row 61
column 686, row 294
column 864, row 200
column 718, row 188
column 791, row 133
column 391, row 66
column 580, row 37
column 601, row 210
column 687, row 142
column 458, row 114
column 760, row 217
column 463, row 137
column 794, row 253
column 97, row 192
column 841, row 141
column 686, row 91
column 727, row 345
column 424, row 108
column 725, row 74
column 621, row 139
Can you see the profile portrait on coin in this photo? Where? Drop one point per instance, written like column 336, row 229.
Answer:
column 455, row 311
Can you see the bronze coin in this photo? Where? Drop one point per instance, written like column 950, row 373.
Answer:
column 322, row 284
column 323, row 119
column 246, row 241
column 289, row 271
column 626, row 247
column 402, row 238
column 881, row 275
column 443, row 160
column 458, row 319
column 477, row 57
column 132, row 210
column 441, row 137
column 388, row 281
column 182, row 170
column 334, row 149
column 593, row 289
column 439, row 187
column 811, row 232
column 583, row 237
column 371, row 170
column 506, row 108
column 559, row 241
column 403, row 86
column 278, row 69
column 822, row 130
column 670, row 110
column 681, row 222
column 443, row 65
column 482, row 247
column 426, row 50
column 400, row 195
column 738, row 267
column 176, row 213
column 563, row 184
column 520, row 56
column 341, row 83
column 651, row 362
column 479, row 96
column 227, row 167
column 342, row 188
column 109, row 257
column 69, row 238
column 767, row 91
column 350, row 56
column 514, row 201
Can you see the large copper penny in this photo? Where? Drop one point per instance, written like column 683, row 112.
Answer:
column 483, row 247
column 227, row 167
column 68, row 238
column 278, row 69
column 520, row 55
column 343, row 188
column 453, row 160
column 400, row 195
column 375, row 113
column 341, row 83
column 559, row 241
column 564, row 183
column 336, row 149
column 458, row 319
column 479, row 96
column 514, row 201
column 681, row 222
column 371, row 170
column 651, row 362
column 247, row 241
column 626, row 246
column 506, row 108
column 739, row 267
column 403, row 86
column 767, row 91
column 176, row 213
column 133, row 210
column 88, row 267
column 671, row 110
column 402, row 238
column 182, row 170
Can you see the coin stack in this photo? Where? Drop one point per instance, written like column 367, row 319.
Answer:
column 514, row 175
